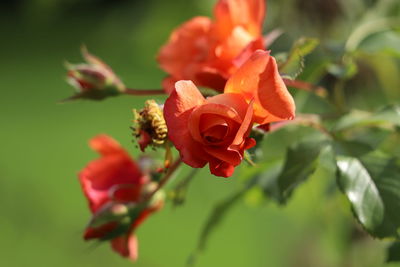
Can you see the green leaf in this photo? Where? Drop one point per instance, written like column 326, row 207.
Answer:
column 388, row 116
column 345, row 70
column 301, row 161
column 360, row 141
column 352, row 148
column 393, row 252
column 372, row 185
column 386, row 68
column 294, row 63
column 384, row 41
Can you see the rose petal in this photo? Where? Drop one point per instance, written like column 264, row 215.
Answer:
column 258, row 79
column 233, row 157
column 211, row 78
column 126, row 246
column 177, row 110
column 168, row 84
column 208, row 121
column 245, row 127
column 274, row 95
column 99, row 232
column 248, row 51
column 113, row 168
column 236, row 101
column 221, row 168
column 220, row 110
column 216, row 133
column 187, row 45
column 105, row 145
column 231, row 13
column 144, row 140
column 234, row 44
column 249, row 143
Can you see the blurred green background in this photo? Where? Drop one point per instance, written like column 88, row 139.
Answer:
column 44, row 144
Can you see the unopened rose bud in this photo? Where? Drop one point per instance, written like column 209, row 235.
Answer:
column 111, row 212
column 157, row 200
column 149, row 125
column 94, row 79
column 119, row 209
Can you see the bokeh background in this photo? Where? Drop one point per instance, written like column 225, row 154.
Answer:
column 44, row 143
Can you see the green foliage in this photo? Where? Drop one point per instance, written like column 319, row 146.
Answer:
column 345, row 70
column 389, row 115
column 393, row 254
column 301, row 161
column 372, row 185
column 292, row 64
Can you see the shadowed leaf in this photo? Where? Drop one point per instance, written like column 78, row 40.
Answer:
column 393, row 252
column 300, row 163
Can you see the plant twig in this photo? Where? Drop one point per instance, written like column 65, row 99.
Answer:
column 130, row 91
column 302, row 85
column 165, row 179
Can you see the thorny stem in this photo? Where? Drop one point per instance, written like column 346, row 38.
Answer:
column 130, row 91
column 306, row 87
column 165, row 179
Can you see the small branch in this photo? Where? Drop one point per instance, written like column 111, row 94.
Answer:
column 306, row 87
column 165, row 179
column 129, row 91
column 272, row 36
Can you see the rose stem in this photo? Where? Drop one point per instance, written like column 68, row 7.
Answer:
column 129, row 91
column 165, row 179
column 306, row 86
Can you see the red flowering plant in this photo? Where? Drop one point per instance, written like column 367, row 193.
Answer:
column 208, row 51
column 250, row 104
column 118, row 194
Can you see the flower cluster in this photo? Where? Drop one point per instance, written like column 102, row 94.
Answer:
column 216, row 130
column 116, row 190
column 209, row 51
column 226, row 54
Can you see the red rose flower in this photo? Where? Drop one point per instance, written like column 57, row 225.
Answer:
column 110, row 182
column 213, row 130
column 258, row 79
column 208, row 52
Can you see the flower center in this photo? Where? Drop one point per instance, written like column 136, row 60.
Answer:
column 216, row 133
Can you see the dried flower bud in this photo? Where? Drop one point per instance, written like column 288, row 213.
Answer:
column 94, row 79
column 149, row 125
